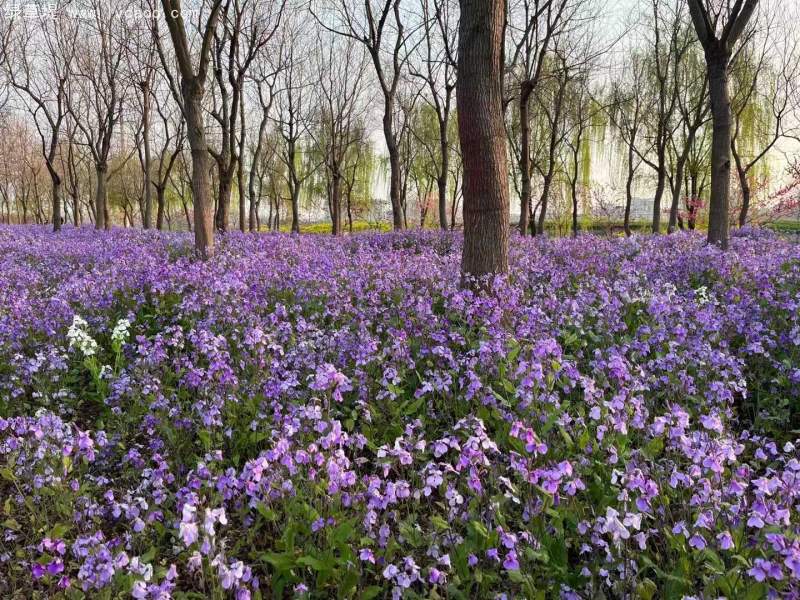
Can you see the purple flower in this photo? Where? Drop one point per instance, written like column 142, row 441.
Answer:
column 510, row 562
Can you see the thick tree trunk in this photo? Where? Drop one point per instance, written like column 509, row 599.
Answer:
column 225, row 185
column 524, row 158
column 395, row 176
column 148, row 188
column 479, row 96
column 720, row 148
column 101, row 177
column 201, row 167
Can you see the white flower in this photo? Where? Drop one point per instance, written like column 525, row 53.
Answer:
column 79, row 338
column 702, row 295
column 121, row 331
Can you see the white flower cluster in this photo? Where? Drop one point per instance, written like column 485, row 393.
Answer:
column 702, row 295
column 79, row 337
column 121, row 331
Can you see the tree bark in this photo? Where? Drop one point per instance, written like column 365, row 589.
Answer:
column 629, row 190
column 57, row 218
column 443, row 172
column 524, row 158
column 479, row 97
column 201, row 166
column 676, row 192
column 160, row 207
column 744, row 184
column 395, row 186
column 661, row 184
column 148, row 188
column 101, row 173
column 717, row 61
column 336, row 203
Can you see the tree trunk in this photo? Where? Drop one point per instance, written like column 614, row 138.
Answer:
column 395, row 192
column 101, row 173
column 76, row 209
column 442, row 180
column 240, row 165
column 524, row 158
column 251, row 193
column 336, row 204
column 479, row 97
column 225, row 184
column 717, row 61
column 661, row 184
column 242, row 197
column 201, row 166
column 744, row 184
column 57, row 218
column 148, row 188
column 295, row 209
column 548, row 180
column 160, row 207
column 629, row 190
column 676, row 193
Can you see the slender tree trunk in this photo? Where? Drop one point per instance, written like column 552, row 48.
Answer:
column 148, row 188
column 676, row 192
column 479, row 97
column 240, row 166
column 744, row 184
column 573, row 184
column 629, row 190
column 242, row 197
column 295, row 209
column 336, row 204
column 720, row 148
column 57, row 218
column 661, row 184
column 251, row 193
column 76, row 209
column 524, row 158
column 546, row 185
column 100, row 196
column 251, row 184
column 160, row 206
column 444, row 148
column 201, row 167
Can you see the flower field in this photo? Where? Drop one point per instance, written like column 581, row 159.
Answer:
column 312, row 417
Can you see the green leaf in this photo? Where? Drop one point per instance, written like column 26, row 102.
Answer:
column 12, row 524
column 312, row 562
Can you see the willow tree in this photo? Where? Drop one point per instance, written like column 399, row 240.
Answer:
column 479, row 103
column 720, row 26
